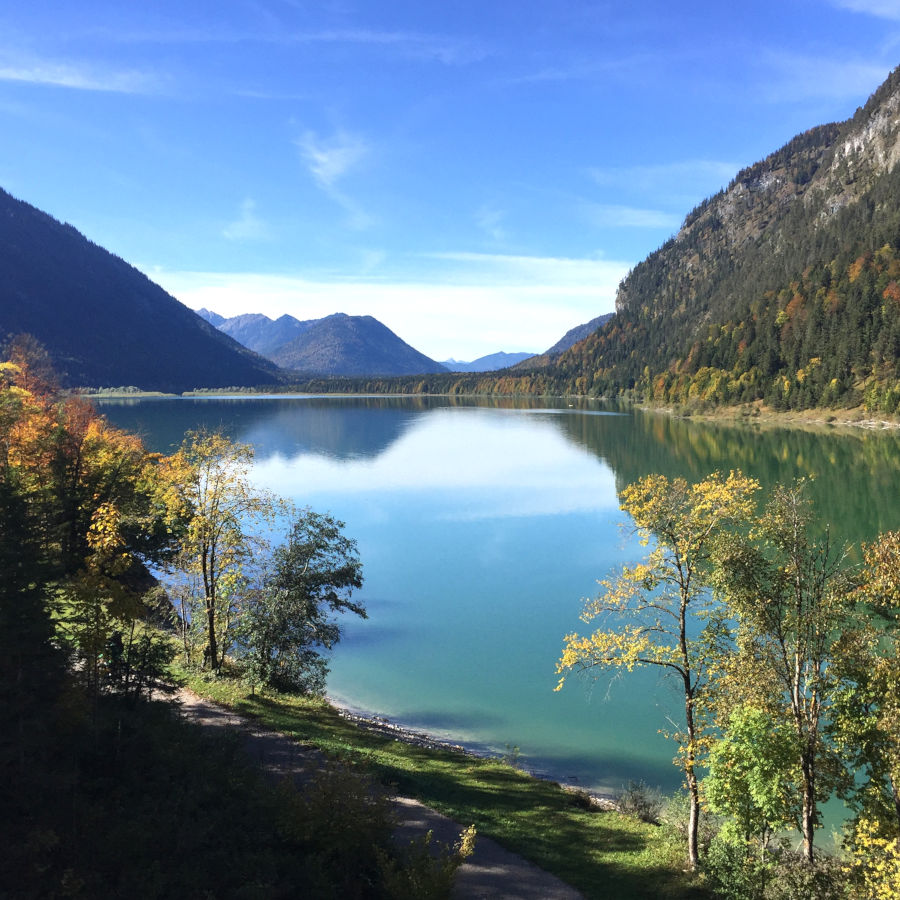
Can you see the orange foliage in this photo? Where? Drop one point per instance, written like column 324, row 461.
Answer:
column 856, row 268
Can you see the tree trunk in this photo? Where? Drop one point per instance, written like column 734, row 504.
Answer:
column 808, row 814
column 211, row 636
column 691, row 778
column 693, row 820
column 209, row 590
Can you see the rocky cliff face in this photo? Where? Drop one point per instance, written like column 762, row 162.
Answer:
column 800, row 187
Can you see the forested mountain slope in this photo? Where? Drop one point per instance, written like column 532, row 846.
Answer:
column 104, row 323
column 785, row 286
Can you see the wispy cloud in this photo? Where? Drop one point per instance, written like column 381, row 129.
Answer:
column 674, row 185
column 248, row 226
column 653, row 178
column 451, row 51
column 883, row 9
column 77, row 76
column 807, row 77
column 583, row 69
column 489, row 219
column 539, row 271
column 329, row 161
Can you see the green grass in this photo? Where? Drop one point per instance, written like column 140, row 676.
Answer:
column 603, row 854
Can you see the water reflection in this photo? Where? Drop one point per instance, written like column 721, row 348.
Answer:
column 340, row 428
column 471, row 465
column 856, row 472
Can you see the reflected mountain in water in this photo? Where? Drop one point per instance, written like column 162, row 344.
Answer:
column 855, row 472
column 342, row 429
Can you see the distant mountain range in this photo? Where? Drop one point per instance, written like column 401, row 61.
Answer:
column 489, row 363
column 104, row 323
column 351, row 346
column 335, row 345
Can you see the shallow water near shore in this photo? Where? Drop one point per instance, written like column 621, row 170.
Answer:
column 482, row 525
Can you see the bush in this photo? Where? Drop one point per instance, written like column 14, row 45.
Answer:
column 797, row 879
column 642, row 802
column 420, row 873
column 675, row 814
column 733, row 873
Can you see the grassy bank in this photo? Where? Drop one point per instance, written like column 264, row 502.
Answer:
column 602, row 853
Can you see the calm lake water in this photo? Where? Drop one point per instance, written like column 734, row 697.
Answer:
column 481, row 526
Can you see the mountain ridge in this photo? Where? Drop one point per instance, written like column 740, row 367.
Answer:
column 352, row 346
column 335, row 345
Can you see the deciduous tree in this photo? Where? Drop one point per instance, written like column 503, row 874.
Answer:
column 292, row 617
column 660, row 612
column 791, row 594
column 207, row 489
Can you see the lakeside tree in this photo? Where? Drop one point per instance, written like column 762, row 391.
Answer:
column 660, row 612
column 791, row 593
column 291, row 617
column 207, row 487
column 866, row 724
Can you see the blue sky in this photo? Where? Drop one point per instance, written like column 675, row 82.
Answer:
column 477, row 175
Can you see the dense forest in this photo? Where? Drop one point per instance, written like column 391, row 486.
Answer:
column 783, row 287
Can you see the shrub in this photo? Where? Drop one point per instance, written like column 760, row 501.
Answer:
column 642, row 802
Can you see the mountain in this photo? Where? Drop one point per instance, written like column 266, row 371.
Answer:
column 783, row 287
column 262, row 334
column 489, row 363
column 351, row 346
column 578, row 333
column 104, row 323
column 213, row 318
column 569, row 339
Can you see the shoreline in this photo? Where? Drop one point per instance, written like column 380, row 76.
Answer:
column 755, row 415
column 382, row 725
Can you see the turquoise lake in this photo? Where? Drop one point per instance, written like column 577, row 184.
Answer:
column 482, row 525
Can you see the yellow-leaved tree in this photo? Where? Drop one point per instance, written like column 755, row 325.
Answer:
column 867, row 725
column 660, row 612
column 208, row 493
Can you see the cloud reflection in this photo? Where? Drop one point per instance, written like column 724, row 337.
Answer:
column 468, row 464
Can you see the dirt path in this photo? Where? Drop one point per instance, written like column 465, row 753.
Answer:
column 491, row 872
